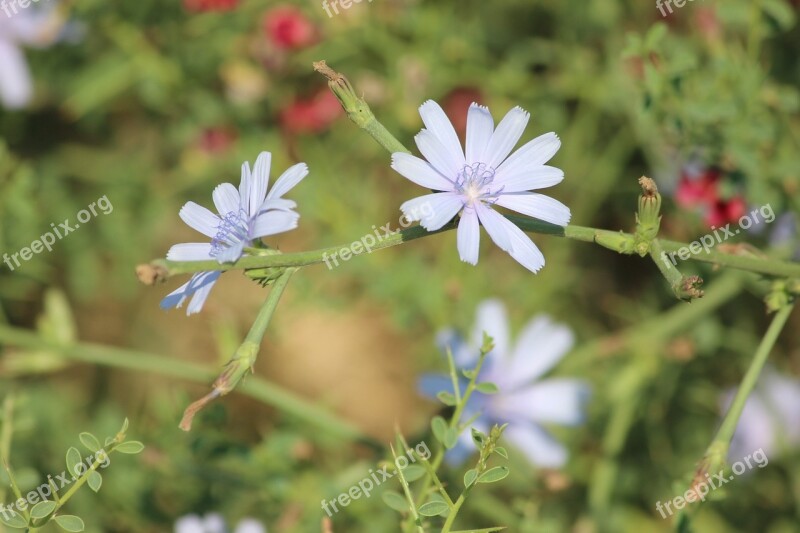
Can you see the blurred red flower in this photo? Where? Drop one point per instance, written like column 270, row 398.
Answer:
column 209, row 5
column 456, row 104
column 215, row 140
column 311, row 115
column 288, row 28
column 701, row 189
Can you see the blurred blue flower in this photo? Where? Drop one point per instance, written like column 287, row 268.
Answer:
column 525, row 401
column 31, row 26
column 214, row 523
column 246, row 214
column 472, row 182
column 770, row 419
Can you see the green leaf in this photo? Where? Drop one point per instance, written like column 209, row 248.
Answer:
column 446, row 398
column 470, row 476
column 478, row 437
column 124, row 426
column 69, row 522
column 43, row 510
column 487, row 387
column 90, row 441
column 469, row 374
column 73, row 460
column 450, row 438
column 395, row 501
column 95, row 480
column 130, row 447
column 439, row 427
column 16, row 521
column 494, row 474
column 433, row 508
column 413, row 472
column 501, row 452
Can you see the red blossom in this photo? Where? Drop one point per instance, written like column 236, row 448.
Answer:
column 456, row 104
column 215, row 140
column 288, row 28
column 701, row 189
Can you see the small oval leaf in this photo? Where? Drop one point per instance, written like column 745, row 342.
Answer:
column 413, row 472
column 42, row 510
column 439, row 427
column 69, row 522
column 494, row 474
column 90, row 441
column 450, row 438
column 395, row 501
column 13, row 519
column 470, row 476
column 487, row 387
column 95, row 480
column 73, row 460
column 434, row 508
column 130, row 447
column 446, row 398
column 501, row 452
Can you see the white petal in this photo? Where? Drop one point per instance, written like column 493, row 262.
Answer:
column 511, row 239
column 505, row 137
column 492, row 221
column 16, row 86
column 189, row 524
column 436, row 121
column 259, row 182
column 433, row 210
column 532, row 154
column 250, row 525
column 528, row 179
column 480, row 126
column 273, row 222
column 492, row 320
column 244, row 185
column 469, row 237
column 288, row 180
column 226, row 199
column 215, row 523
column 437, row 155
column 420, row 172
column 190, row 251
column 537, row 445
column 537, row 206
column 554, row 401
column 540, row 346
column 200, row 219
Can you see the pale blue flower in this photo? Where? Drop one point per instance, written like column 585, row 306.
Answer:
column 474, row 180
column 525, row 401
column 37, row 27
column 244, row 215
column 215, row 523
column 770, row 419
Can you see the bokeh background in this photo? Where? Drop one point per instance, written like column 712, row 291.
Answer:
column 154, row 103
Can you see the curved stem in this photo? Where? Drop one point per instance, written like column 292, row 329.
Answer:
column 257, row 388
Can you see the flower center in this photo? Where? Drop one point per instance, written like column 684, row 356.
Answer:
column 474, row 181
column 233, row 229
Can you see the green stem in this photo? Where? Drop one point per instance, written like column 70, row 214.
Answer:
column 759, row 265
column 255, row 387
column 731, row 420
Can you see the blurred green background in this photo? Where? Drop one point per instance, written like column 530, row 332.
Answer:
column 154, row 103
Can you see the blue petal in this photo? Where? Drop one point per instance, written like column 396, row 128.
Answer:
column 202, row 281
column 226, row 199
column 537, row 206
column 288, row 180
column 230, row 253
column 259, row 182
column 200, row 219
column 429, row 385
